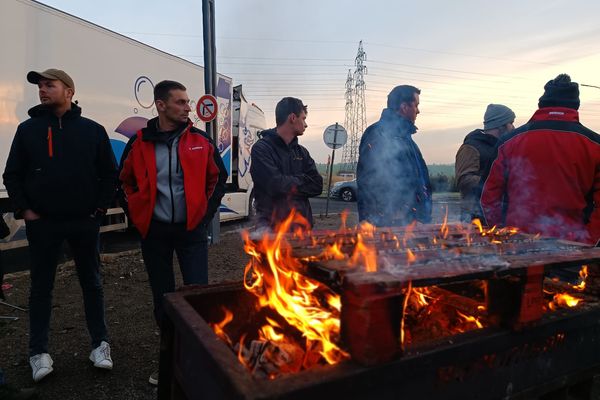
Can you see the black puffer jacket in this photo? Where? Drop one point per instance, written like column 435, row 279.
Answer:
column 284, row 176
column 60, row 167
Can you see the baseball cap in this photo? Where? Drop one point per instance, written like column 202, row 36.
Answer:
column 52, row 74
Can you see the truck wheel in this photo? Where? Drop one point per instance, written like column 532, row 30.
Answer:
column 347, row 194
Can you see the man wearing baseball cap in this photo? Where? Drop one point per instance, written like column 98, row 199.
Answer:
column 475, row 157
column 61, row 176
column 546, row 177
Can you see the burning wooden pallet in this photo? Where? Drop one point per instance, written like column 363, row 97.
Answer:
column 390, row 295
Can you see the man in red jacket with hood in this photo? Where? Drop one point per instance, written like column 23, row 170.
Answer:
column 546, row 176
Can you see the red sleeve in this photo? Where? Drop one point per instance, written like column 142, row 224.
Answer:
column 594, row 224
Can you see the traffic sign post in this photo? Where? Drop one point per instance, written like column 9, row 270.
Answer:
column 210, row 86
column 207, row 108
column 335, row 136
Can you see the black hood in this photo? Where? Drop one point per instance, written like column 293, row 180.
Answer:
column 478, row 136
column 41, row 111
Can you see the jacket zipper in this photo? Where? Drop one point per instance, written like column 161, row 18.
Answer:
column 171, row 187
column 50, row 147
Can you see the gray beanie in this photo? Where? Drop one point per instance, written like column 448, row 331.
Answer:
column 497, row 115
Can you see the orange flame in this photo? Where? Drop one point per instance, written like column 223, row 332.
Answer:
column 276, row 281
column 365, row 254
column 444, row 230
column 477, row 223
column 583, row 274
column 470, row 319
column 563, row 300
column 333, row 252
column 219, row 326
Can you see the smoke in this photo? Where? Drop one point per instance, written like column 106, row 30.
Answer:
column 390, row 189
column 528, row 189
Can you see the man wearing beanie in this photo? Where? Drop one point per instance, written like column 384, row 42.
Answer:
column 392, row 177
column 475, row 156
column 546, row 177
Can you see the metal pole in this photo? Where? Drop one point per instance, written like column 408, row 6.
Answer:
column 210, row 86
column 335, row 131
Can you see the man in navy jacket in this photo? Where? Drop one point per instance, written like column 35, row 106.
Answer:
column 392, row 177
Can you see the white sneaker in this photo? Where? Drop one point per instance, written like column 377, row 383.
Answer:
column 100, row 356
column 41, row 365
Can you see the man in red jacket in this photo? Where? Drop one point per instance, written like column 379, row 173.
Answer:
column 173, row 179
column 546, row 176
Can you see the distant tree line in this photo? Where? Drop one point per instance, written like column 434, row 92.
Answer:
column 441, row 182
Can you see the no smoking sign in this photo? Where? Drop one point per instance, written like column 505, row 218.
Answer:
column 206, row 108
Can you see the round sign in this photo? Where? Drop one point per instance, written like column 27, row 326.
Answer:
column 207, row 108
column 335, row 136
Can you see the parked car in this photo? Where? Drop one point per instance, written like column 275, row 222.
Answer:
column 345, row 190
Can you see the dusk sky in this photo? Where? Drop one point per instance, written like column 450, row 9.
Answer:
column 463, row 55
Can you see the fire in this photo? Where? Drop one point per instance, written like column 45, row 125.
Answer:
column 219, row 327
column 307, row 305
column 477, row 223
column 583, row 274
column 365, row 253
column 333, row 252
column 445, row 230
column 563, row 300
column 470, row 319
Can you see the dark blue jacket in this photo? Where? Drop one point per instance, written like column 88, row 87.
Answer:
column 284, row 177
column 61, row 168
column 392, row 177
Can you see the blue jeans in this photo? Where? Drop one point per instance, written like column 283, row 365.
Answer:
column 46, row 237
column 191, row 248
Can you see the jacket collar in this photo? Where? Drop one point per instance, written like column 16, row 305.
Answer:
column 556, row 114
column 397, row 124
column 151, row 133
column 41, row 111
column 272, row 136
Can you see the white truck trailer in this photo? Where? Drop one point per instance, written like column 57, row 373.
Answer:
column 114, row 78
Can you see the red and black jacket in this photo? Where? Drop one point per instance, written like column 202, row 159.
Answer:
column 204, row 176
column 546, row 178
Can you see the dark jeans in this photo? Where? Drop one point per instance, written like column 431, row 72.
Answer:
column 191, row 248
column 45, row 238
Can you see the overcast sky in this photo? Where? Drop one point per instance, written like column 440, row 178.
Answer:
column 462, row 54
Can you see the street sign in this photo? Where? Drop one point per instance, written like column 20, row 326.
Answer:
column 335, row 136
column 207, row 108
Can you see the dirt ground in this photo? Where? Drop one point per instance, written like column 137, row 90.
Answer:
column 134, row 337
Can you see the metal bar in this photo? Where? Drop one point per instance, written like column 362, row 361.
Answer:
column 2, row 302
column 210, row 86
